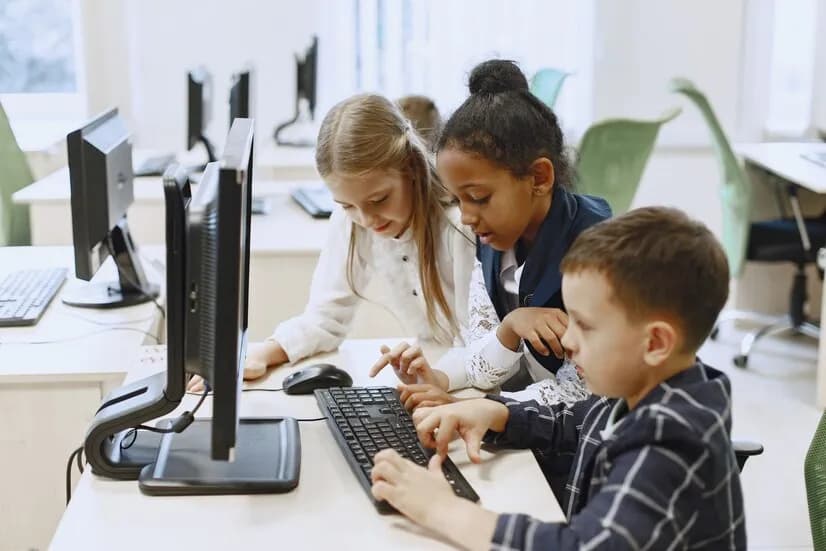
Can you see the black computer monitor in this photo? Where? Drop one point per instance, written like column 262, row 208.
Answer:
column 208, row 251
column 306, row 69
column 217, row 278
column 199, row 109
column 306, row 75
column 100, row 175
column 240, row 100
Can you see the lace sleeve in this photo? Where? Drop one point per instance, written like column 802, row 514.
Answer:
column 482, row 316
column 567, row 388
column 487, row 362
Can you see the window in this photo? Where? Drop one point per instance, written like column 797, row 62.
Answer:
column 397, row 47
column 41, row 74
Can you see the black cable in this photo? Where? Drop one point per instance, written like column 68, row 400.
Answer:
column 143, row 293
column 77, row 453
column 256, row 389
column 178, row 425
column 313, row 419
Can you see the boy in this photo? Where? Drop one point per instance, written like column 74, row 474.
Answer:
column 653, row 465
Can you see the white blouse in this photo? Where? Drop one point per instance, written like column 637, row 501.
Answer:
column 326, row 319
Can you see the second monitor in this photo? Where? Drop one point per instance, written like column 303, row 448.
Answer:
column 100, row 175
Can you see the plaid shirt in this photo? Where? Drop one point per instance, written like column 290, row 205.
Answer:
column 663, row 476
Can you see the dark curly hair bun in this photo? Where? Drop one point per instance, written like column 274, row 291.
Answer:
column 496, row 76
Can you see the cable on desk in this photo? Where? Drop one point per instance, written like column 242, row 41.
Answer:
column 256, row 389
column 145, row 294
column 79, row 454
column 178, row 425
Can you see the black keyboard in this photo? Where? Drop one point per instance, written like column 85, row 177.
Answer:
column 154, row 166
column 316, row 201
column 25, row 295
column 366, row 420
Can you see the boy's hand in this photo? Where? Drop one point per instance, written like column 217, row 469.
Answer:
column 426, row 498
column 409, row 365
column 470, row 419
column 423, row 395
column 411, row 489
column 535, row 325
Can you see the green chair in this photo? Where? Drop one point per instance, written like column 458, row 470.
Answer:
column 735, row 191
column 14, row 175
column 814, row 472
column 546, row 84
column 612, row 157
column 793, row 240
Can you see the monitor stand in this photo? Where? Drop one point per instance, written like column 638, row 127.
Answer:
column 132, row 286
column 266, row 459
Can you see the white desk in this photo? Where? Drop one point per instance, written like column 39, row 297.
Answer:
column 49, row 393
column 328, row 510
column 766, row 161
column 285, row 245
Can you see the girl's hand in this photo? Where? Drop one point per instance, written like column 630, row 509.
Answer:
column 259, row 358
column 542, row 327
column 409, row 365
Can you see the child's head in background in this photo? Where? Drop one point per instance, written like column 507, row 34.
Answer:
column 423, row 114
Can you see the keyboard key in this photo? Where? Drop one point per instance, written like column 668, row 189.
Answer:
column 367, row 430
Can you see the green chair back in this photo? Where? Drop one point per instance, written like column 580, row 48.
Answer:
column 14, row 175
column 612, row 157
column 735, row 188
column 814, row 471
column 546, row 84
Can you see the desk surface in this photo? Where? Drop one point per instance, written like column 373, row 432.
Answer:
column 329, row 509
column 78, row 343
column 786, row 160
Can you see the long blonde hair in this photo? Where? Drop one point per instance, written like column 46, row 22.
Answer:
column 368, row 132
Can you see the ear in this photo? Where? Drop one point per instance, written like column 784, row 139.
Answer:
column 662, row 343
column 542, row 173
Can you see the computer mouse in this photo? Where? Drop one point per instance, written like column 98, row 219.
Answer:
column 305, row 381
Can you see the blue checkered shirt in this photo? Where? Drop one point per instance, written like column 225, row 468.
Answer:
column 662, row 476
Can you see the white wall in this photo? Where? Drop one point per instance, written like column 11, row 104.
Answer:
column 642, row 44
column 139, row 52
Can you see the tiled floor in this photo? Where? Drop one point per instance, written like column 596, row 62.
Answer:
column 774, row 403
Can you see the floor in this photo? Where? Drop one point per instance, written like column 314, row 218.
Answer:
column 774, row 404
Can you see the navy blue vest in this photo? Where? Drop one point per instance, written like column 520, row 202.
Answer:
column 570, row 214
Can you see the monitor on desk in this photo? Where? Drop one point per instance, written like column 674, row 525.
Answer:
column 225, row 454
column 100, row 175
column 240, row 100
column 199, row 109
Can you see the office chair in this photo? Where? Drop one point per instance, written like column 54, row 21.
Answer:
column 743, row 450
column 546, row 84
column 14, row 219
column 786, row 239
column 612, row 157
column 814, row 470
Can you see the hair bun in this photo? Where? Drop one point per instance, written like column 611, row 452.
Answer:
column 495, row 76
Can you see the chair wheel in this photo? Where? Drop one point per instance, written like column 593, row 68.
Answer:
column 741, row 360
column 714, row 332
